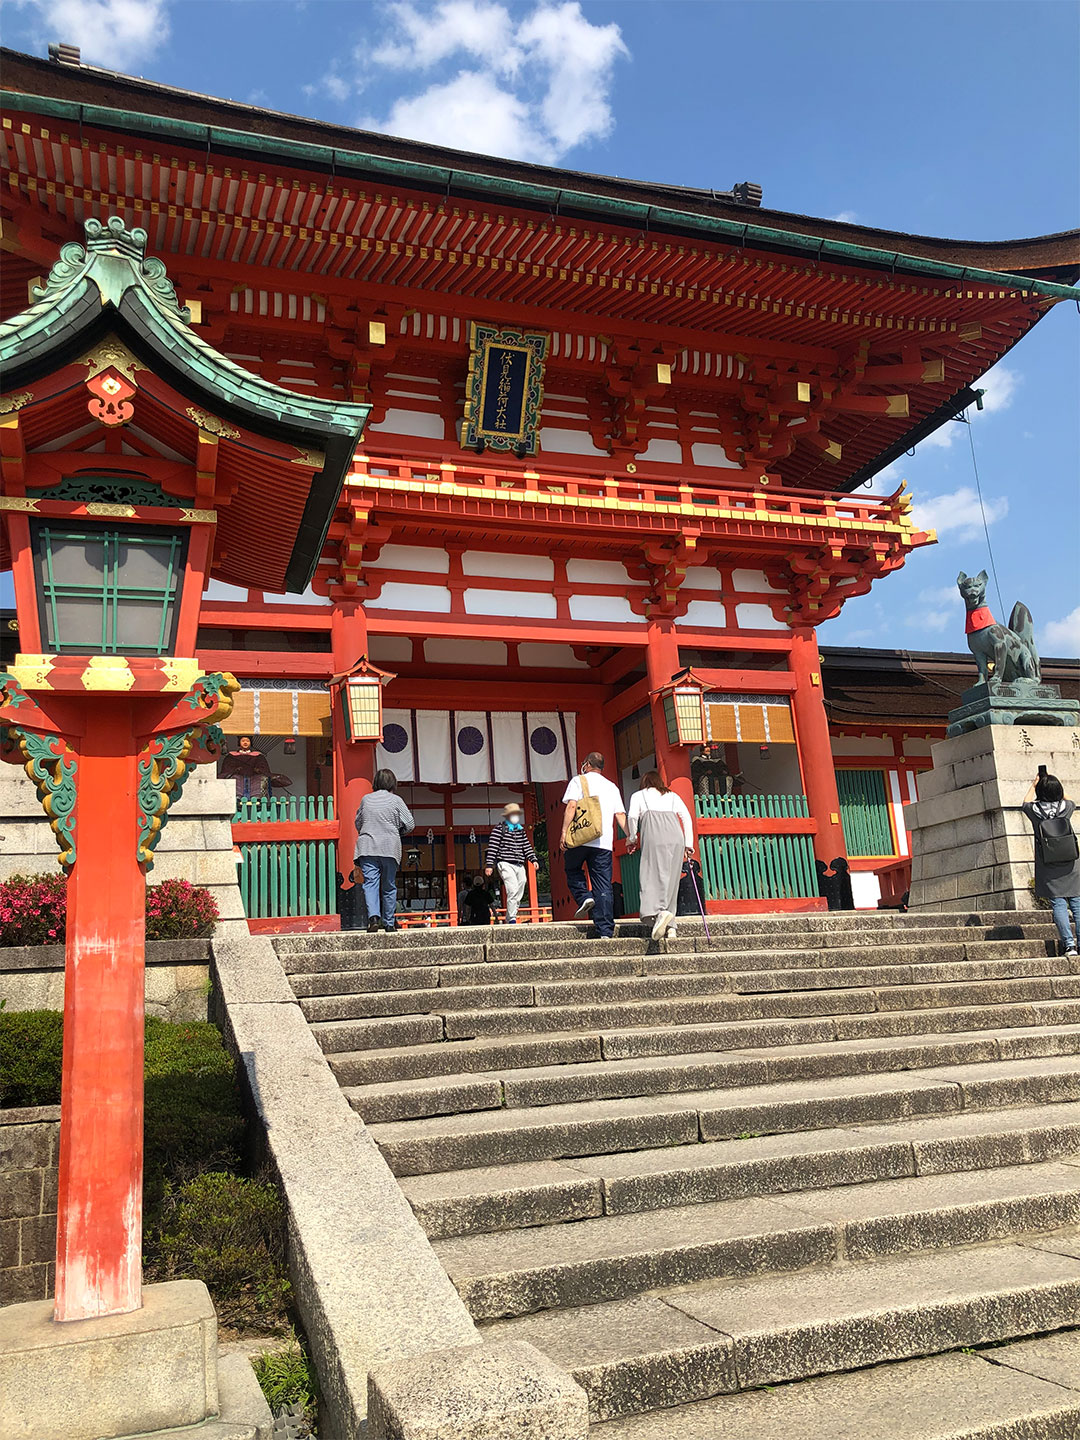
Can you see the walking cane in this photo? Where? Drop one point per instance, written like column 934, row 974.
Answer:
column 700, row 903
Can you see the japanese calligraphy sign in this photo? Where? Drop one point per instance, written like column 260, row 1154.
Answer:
column 504, row 390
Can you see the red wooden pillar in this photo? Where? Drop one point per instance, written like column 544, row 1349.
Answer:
column 99, row 1224
column 662, row 662
column 815, row 748
column 354, row 764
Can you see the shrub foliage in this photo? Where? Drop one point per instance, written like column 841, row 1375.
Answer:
column 33, row 910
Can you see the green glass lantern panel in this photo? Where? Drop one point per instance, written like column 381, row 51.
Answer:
column 108, row 591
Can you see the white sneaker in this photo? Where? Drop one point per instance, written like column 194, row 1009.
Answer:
column 663, row 920
column 584, row 908
column 672, row 933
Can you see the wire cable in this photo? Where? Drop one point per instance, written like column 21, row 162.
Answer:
column 986, row 527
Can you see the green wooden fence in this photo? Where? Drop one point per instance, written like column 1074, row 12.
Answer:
column 751, row 807
column 864, row 812
column 284, row 878
column 284, row 808
column 758, row 867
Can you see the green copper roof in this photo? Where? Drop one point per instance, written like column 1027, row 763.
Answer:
column 109, row 285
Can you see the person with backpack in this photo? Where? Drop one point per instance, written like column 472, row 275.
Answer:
column 1057, row 853
column 594, row 806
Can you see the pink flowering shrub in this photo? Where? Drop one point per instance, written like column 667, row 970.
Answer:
column 33, row 910
column 178, row 910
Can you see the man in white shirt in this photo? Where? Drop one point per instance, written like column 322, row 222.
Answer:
column 593, row 896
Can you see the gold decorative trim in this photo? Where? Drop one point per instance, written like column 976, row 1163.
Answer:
column 19, row 502
column 637, row 507
column 8, row 403
column 32, row 671
column 211, row 424
column 180, row 672
column 314, row 459
column 111, row 354
column 199, row 517
column 108, row 672
column 108, row 511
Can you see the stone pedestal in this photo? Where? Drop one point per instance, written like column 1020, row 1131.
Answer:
column 153, row 1369
column 971, row 847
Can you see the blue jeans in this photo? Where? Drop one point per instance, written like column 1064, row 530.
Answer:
column 599, row 883
column 1061, row 910
column 380, row 886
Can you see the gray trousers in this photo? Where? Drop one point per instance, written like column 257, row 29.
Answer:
column 513, row 879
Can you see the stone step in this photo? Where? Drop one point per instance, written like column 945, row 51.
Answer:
column 366, row 953
column 1030, row 1388
column 616, row 1257
column 714, row 1338
column 342, row 1039
column 348, row 972
column 721, row 927
column 471, row 1011
column 566, row 1083
column 503, row 1197
column 416, row 1147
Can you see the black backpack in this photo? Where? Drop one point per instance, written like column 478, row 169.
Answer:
column 1057, row 843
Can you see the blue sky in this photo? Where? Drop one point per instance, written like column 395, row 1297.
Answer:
column 950, row 119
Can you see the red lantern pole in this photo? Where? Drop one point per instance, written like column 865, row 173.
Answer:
column 99, row 1225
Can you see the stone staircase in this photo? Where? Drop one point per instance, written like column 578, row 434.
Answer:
column 712, row 1179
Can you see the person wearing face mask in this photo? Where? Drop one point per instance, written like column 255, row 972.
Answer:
column 509, row 851
column 593, row 805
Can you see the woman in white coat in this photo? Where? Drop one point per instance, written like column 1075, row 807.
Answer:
column 661, row 824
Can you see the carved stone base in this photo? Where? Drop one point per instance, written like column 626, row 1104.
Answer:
column 1021, row 703
column 972, row 848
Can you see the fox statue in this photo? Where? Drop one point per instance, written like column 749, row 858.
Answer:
column 1003, row 653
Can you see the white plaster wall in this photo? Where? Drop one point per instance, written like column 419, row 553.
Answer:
column 702, row 577
column 424, row 559
column 425, row 598
column 599, row 572
column 709, row 614
column 753, row 580
column 508, row 567
column 871, row 745
column 757, row 617
column 612, row 608
column 465, row 652
column 423, row 423
column 390, row 649
column 559, row 657
column 705, row 454
column 666, row 452
column 556, row 440
column 520, row 604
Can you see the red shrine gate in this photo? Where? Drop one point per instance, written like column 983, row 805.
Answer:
column 616, row 431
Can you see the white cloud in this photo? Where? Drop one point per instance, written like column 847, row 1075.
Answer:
column 958, row 515
column 1062, row 637
column 472, row 112
column 525, row 86
column 942, row 607
column 999, row 384
column 117, row 34
column 846, row 217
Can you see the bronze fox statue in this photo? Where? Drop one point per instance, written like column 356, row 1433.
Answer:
column 1003, row 653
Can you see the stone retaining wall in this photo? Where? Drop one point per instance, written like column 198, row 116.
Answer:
column 196, row 843
column 177, row 978
column 368, row 1286
column 29, row 1144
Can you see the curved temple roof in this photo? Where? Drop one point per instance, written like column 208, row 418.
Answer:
column 110, row 287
